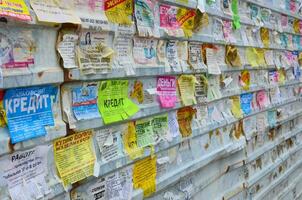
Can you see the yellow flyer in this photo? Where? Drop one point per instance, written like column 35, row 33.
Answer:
column 113, row 101
column 74, row 157
column 252, row 56
column 264, row 34
column 245, row 80
column 186, row 85
column 16, row 9
column 184, row 118
column 232, row 57
column 119, row 11
column 144, row 175
column 235, row 109
column 130, row 142
column 138, row 92
column 185, row 18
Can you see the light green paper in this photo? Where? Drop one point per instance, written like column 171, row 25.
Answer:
column 144, row 133
column 113, row 102
column 236, row 18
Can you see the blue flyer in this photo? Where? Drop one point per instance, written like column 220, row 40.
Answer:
column 84, row 102
column 28, row 111
column 246, row 103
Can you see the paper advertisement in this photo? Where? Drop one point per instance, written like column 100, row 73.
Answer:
column 113, row 102
column 84, row 102
column 144, row 133
column 119, row 12
column 145, row 15
column 74, row 157
column 166, row 91
column 185, row 116
column 144, row 51
column 55, row 11
column 186, row 85
column 24, row 172
column 28, row 111
column 130, row 142
column 16, row 9
column 144, row 175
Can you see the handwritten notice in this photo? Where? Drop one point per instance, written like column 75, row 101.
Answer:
column 74, row 157
column 113, row 101
column 130, row 142
column 28, row 111
column 186, row 84
column 144, row 175
column 144, row 133
column 184, row 117
column 166, row 91
column 24, row 172
column 119, row 12
column 16, row 9
column 84, row 102
column 55, row 11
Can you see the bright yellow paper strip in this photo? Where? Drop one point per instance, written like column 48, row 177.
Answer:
column 119, row 11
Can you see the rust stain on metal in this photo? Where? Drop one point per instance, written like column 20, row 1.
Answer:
column 40, row 74
column 11, row 146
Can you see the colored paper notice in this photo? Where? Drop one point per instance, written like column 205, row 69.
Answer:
column 144, row 175
column 251, row 55
column 74, row 157
column 119, row 12
column 113, row 101
column 160, row 127
column 262, row 99
column 168, row 20
column 184, row 117
column 166, row 91
column 264, row 34
column 138, row 92
column 246, row 103
column 186, row 85
column 3, row 118
column 185, row 18
column 235, row 109
column 144, row 133
column 16, row 9
column 55, row 11
column 28, row 111
column 236, row 18
column 272, row 118
column 24, row 172
column 130, row 142
column 145, row 18
column 245, row 80
column 232, row 57
column 84, row 102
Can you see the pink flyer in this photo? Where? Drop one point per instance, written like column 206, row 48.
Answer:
column 166, row 91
